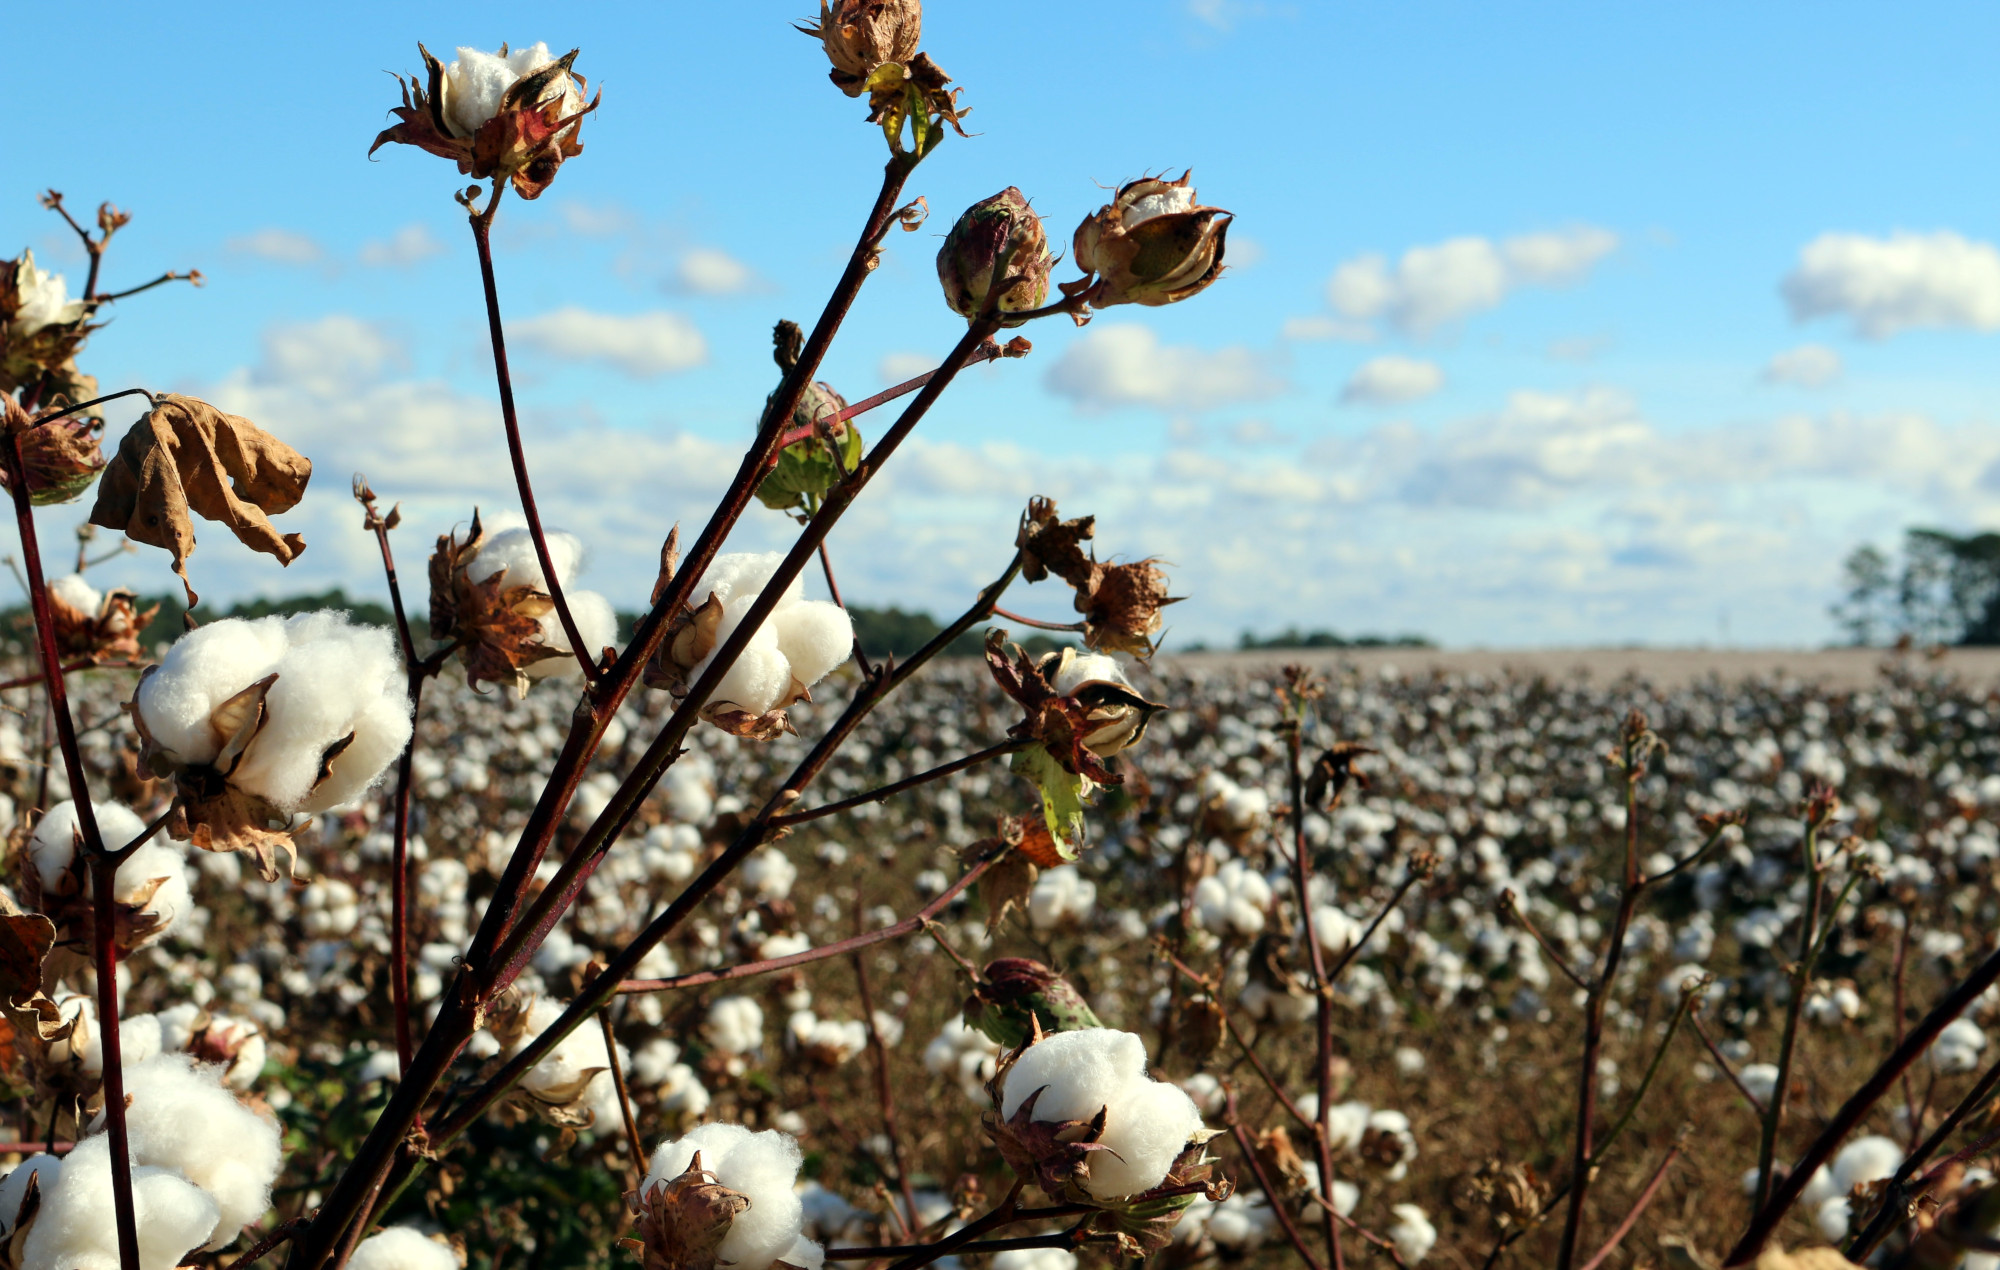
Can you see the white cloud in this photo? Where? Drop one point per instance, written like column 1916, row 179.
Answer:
column 279, row 246
column 410, row 245
column 708, row 271
column 1807, row 366
column 329, row 354
column 1321, row 327
column 894, row 368
column 643, row 345
column 1391, row 380
column 1128, row 366
column 1906, row 281
column 1433, row 286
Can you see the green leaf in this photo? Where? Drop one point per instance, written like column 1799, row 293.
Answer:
column 1063, row 794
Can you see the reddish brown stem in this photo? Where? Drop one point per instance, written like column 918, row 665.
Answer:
column 885, row 1098
column 399, row 892
column 103, row 867
column 1271, row 1194
column 1638, row 1207
column 1322, row 988
column 482, row 229
column 748, row 970
column 911, row 782
column 632, row 1139
column 792, row 436
column 1039, row 624
column 82, row 663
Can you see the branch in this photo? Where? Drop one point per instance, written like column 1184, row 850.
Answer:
column 1510, row 905
column 1271, row 1196
column 1638, row 1207
column 911, row 782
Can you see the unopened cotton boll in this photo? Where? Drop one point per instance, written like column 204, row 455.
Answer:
column 77, row 1228
column 180, row 1117
column 1413, row 1234
column 762, row 1167
column 335, row 680
column 402, row 1248
column 1074, row 1075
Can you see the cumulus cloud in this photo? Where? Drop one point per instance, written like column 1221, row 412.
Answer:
column 1907, row 281
column 1392, row 380
column 1129, row 366
column 643, row 345
column 278, row 246
column 1433, row 286
column 1807, row 366
column 322, row 356
column 411, row 245
column 709, row 271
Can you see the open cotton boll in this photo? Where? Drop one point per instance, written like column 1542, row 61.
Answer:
column 1144, row 1131
column 764, row 1168
column 1413, row 1234
column 334, row 679
column 53, row 844
column 72, row 590
column 596, row 623
column 476, row 83
column 204, row 668
column 815, row 636
column 567, row 1068
column 513, row 550
column 1866, row 1159
column 1077, row 1072
column 760, row 677
column 735, row 1025
column 77, row 1228
column 182, row 1118
column 1957, row 1047
column 1234, row 898
column 744, row 573
column 1083, row 668
column 1034, row 1259
column 402, row 1248
column 14, row 1187
column 770, row 873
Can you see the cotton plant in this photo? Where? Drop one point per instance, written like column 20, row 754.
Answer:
column 791, row 650
column 261, row 720
column 723, row 1195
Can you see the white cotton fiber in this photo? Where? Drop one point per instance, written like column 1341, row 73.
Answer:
column 763, row 1167
column 183, row 1119
column 14, row 1187
column 1083, row 1071
column 334, row 678
column 799, row 644
column 735, row 1025
column 203, row 669
column 402, row 1248
column 1078, row 669
column 72, row 590
column 53, row 844
column 565, row 1068
column 77, row 1228
column 476, row 83
column 1144, row 1130
column 770, row 873
column 513, row 550
column 815, row 636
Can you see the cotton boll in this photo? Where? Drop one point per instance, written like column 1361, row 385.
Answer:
column 570, row 1066
column 744, row 573
column 1831, row 1219
column 1034, row 1259
column 204, row 668
column 1760, row 1079
column 14, row 1187
column 402, row 1248
column 512, row 551
column 1078, row 1073
column 1233, row 899
column 72, row 590
column 53, row 845
column 77, row 1228
column 157, row 875
column 770, row 874
column 182, row 1118
column 763, row 1167
column 815, row 637
column 1083, row 668
column 1957, row 1047
column 335, row 679
column 1060, row 894
column 760, row 677
column 476, row 84
column 735, row 1025
column 1866, row 1159
column 1412, row 1234
column 1145, row 1130
column 964, row 1053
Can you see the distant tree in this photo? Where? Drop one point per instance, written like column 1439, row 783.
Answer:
column 1293, row 637
column 1947, row 590
column 1868, row 610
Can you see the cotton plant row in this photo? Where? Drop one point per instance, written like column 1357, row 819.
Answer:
column 537, row 880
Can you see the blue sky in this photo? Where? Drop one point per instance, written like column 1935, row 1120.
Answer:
column 1577, row 325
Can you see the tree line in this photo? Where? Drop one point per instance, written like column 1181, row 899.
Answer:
column 1945, row 589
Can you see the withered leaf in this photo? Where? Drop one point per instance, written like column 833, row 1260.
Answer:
column 1005, row 885
column 184, row 456
column 25, row 941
